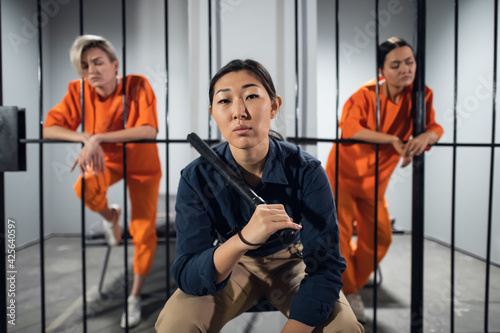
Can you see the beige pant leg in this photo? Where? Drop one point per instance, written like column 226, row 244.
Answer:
column 342, row 319
column 193, row 314
column 282, row 274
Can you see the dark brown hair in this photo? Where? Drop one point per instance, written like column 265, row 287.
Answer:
column 389, row 45
column 241, row 65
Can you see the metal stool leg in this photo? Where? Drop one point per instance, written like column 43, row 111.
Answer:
column 104, row 268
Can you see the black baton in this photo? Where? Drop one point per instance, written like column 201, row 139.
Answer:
column 286, row 236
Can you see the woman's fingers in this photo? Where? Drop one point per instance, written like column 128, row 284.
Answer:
column 265, row 221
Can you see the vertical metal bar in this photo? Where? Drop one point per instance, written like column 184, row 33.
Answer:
column 82, row 193
column 337, row 102
column 167, row 150
column 419, row 110
column 218, row 32
column 40, row 163
column 492, row 168
column 209, row 61
column 296, row 69
column 3, row 277
column 125, row 210
column 454, row 176
column 377, row 161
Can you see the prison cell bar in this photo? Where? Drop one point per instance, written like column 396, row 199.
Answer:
column 454, row 145
column 209, row 2
column 377, row 160
column 454, row 174
column 40, row 162
column 296, row 33
column 492, row 167
column 167, row 151
column 82, row 192
column 3, row 273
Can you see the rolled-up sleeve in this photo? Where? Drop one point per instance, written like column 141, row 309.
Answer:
column 67, row 113
column 320, row 289
column 354, row 114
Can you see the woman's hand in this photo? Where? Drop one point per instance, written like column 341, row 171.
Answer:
column 417, row 146
column 90, row 157
column 265, row 221
column 293, row 326
column 398, row 145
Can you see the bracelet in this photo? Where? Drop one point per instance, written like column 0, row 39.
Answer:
column 247, row 242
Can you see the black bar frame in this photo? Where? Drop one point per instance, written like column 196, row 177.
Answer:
column 40, row 162
column 377, row 162
column 418, row 236
column 82, row 193
column 492, row 168
column 454, row 175
column 3, row 274
column 296, row 18
column 419, row 111
column 167, row 153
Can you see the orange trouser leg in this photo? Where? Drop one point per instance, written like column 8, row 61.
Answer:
column 96, row 188
column 364, row 256
column 346, row 213
column 144, row 201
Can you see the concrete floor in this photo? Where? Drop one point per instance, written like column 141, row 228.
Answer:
column 63, row 288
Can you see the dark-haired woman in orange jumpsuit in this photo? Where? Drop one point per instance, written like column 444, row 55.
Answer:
column 356, row 176
column 101, row 159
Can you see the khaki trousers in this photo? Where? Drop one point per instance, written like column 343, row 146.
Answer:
column 276, row 277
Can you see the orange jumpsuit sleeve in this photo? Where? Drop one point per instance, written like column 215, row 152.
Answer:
column 430, row 117
column 355, row 114
column 67, row 113
column 143, row 95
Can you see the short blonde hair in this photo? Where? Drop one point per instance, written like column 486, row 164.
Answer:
column 85, row 42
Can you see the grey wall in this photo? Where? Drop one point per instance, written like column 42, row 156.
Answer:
column 19, row 72
column 271, row 41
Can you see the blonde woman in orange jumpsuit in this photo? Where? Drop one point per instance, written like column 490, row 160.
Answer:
column 100, row 161
column 356, row 176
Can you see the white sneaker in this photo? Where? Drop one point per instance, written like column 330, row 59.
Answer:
column 134, row 312
column 357, row 306
column 113, row 236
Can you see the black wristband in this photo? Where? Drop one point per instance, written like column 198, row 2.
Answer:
column 247, row 242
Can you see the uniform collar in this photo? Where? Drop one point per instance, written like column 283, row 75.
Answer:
column 273, row 168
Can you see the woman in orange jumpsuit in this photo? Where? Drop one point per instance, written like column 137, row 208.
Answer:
column 101, row 159
column 356, row 174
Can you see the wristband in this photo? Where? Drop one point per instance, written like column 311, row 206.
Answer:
column 247, row 242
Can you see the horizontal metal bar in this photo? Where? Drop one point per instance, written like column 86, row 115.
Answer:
column 306, row 141
column 138, row 141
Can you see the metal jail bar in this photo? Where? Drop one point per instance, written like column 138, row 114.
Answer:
column 3, row 276
column 419, row 115
column 40, row 164
column 297, row 139
column 492, row 167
